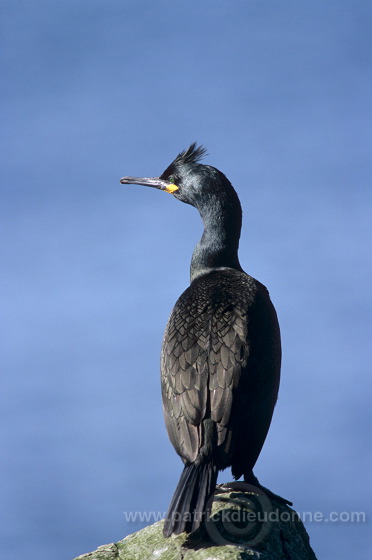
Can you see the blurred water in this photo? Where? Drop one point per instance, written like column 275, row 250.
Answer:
column 91, row 269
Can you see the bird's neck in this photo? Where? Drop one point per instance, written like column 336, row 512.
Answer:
column 218, row 246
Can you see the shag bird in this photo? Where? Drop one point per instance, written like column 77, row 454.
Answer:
column 221, row 352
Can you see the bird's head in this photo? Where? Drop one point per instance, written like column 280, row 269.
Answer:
column 187, row 179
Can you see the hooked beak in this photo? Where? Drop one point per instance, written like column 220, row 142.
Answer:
column 150, row 182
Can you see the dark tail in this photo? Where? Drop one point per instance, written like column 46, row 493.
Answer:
column 187, row 509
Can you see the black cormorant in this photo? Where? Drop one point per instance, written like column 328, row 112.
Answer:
column 221, row 352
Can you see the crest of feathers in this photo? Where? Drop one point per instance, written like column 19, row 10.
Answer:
column 193, row 154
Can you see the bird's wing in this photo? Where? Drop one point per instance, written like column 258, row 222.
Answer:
column 228, row 358
column 204, row 351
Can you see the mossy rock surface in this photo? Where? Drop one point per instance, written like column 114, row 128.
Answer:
column 277, row 535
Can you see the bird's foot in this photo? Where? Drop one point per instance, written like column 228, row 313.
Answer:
column 250, row 485
column 274, row 496
column 252, row 479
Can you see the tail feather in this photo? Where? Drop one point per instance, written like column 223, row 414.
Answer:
column 188, row 506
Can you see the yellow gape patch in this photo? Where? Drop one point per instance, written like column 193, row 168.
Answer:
column 171, row 188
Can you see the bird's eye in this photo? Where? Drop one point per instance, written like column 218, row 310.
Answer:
column 172, row 179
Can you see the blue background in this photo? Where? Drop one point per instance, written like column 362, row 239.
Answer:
column 94, row 90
